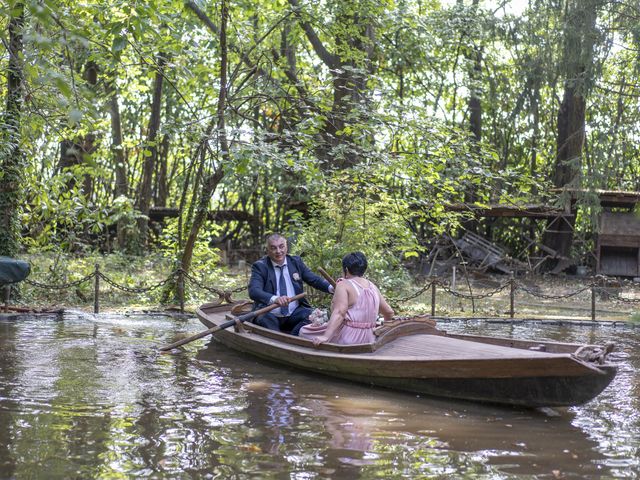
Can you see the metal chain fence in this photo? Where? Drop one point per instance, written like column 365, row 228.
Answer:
column 180, row 276
column 62, row 286
column 138, row 290
column 595, row 287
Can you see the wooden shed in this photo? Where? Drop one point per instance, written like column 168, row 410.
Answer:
column 618, row 245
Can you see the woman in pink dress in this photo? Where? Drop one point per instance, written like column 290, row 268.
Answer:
column 354, row 309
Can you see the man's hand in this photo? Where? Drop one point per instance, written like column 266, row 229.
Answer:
column 332, row 289
column 283, row 301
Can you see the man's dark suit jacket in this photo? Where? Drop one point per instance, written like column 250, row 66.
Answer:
column 262, row 285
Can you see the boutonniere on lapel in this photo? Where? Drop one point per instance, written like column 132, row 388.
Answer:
column 296, row 276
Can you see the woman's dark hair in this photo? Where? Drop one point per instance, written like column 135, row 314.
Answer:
column 355, row 262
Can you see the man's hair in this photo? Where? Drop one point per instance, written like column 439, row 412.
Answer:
column 271, row 237
column 355, row 262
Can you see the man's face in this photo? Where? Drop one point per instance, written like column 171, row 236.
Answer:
column 277, row 250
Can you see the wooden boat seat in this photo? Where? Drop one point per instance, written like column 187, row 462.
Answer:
column 402, row 327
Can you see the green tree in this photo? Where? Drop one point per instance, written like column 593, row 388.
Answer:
column 580, row 39
column 11, row 152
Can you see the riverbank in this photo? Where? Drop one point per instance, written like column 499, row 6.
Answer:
column 547, row 297
column 140, row 284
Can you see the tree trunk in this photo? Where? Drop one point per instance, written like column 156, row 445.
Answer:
column 11, row 156
column 474, row 105
column 120, row 163
column 349, row 87
column 214, row 178
column 162, row 180
column 150, row 153
column 475, row 92
column 578, row 63
column 535, row 109
column 74, row 152
column 161, row 187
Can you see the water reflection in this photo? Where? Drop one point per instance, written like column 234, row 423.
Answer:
column 91, row 398
column 370, row 427
column 8, row 400
column 611, row 421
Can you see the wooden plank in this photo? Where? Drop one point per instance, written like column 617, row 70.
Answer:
column 608, row 198
column 432, row 347
column 425, row 346
column 379, row 364
column 551, row 347
column 620, row 261
column 511, row 211
column 619, row 224
column 420, row 339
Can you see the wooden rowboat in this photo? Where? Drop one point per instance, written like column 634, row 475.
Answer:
column 412, row 355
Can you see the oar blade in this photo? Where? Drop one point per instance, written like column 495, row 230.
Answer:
column 184, row 341
column 222, row 326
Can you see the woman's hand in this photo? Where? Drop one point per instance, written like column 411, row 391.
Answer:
column 318, row 340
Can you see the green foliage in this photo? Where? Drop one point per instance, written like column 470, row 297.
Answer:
column 206, row 266
column 380, row 94
column 128, row 272
column 205, row 257
column 352, row 214
column 123, row 212
column 62, row 219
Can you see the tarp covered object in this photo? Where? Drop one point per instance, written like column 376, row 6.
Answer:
column 12, row 270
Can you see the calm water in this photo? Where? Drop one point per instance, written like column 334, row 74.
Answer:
column 85, row 397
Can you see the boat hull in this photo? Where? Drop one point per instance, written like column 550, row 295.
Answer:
column 447, row 367
column 521, row 391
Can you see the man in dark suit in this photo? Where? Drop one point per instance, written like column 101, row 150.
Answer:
column 276, row 278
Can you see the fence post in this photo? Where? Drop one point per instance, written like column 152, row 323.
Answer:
column 512, row 295
column 96, row 290
column 593, row 299
column 181, row 287
column 7, row 296
column 433, row 297
column 453, row 278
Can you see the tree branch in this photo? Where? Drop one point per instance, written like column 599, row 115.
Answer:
column 329, row 59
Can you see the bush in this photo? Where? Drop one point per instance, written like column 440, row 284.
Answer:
column 350, row 216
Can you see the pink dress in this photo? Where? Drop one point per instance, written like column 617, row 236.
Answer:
column 359, row 322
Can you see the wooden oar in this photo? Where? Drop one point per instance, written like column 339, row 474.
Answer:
column 222, row 326
column 327, row 277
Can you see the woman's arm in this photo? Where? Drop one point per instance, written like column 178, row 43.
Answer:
column 385, row 310
column 339, row 307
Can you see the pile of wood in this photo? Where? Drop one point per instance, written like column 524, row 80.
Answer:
column 476, row 253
